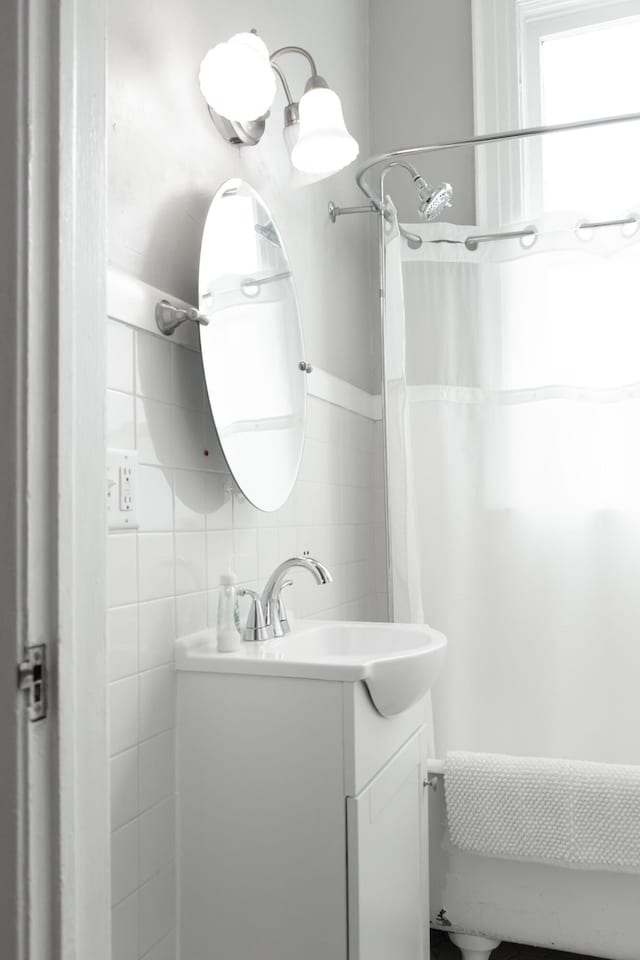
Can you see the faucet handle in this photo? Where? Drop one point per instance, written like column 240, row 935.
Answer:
column 280, row 611
column 256, row 628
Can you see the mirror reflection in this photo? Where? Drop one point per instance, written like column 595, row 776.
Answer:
column 252, row 346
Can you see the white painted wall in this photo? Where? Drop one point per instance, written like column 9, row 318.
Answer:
column 421, row 91
column 163, row 578
column 166, row 159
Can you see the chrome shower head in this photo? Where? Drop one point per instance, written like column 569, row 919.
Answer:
column 433, row 200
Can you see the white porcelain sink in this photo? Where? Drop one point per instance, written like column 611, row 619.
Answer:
column 398, row 662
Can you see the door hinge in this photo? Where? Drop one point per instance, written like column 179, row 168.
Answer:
column 32, row 678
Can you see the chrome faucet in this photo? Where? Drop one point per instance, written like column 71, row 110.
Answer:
column 255, row 629
column 275, row 613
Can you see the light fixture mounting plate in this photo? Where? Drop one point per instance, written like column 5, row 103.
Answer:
column 239, row 134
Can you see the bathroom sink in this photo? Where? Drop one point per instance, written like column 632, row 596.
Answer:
column 398, row 662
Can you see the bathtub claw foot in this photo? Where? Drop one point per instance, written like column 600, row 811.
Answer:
column 473, row 948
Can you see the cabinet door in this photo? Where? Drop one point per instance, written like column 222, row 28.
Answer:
column 387, row 861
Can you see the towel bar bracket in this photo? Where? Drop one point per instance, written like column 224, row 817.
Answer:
column 169, row 318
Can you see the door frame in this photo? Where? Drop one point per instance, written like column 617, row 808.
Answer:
column 54, row 806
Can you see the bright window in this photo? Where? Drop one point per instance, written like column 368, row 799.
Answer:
column 543, row 62
column 584, row 74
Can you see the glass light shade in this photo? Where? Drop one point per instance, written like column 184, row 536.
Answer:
column 236, row 78
column 291, row 135
column 324, row 144
column 298, row 178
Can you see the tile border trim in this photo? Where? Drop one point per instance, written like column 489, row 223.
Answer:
column 133, row 301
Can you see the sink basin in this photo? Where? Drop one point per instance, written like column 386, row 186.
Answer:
column 398, row 662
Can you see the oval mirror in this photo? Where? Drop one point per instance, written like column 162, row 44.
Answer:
column 252, row 346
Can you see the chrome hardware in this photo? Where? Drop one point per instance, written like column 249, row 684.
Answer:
column 336, row 211
column 280, row 608
column 271, row 599
column 519, row 134
column 305, row 367
column 247, row 133
column 622, row 222
column 250, row 286
column 256, row 628
column 32, row 678
column 169, row 318
column 472, row 243
column 435, row 769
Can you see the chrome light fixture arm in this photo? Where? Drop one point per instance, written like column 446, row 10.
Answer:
column 293, row 49
column 291, row 111
column 315, row 81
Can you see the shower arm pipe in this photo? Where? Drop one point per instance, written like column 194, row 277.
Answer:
column 377, row 207
column 524, row 132
column 411, row 238
column 376, row 204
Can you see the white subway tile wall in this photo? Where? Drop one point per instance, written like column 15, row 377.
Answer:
column 163, row 578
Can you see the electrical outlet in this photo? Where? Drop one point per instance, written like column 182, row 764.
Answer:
column 122, row 478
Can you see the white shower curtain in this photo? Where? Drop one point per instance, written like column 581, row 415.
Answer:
column 521, row 378
column 406, row 591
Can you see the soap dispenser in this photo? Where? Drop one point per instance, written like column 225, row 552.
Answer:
column 228, row 635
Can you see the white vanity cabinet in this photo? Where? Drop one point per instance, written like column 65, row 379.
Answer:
column 301, row 821
column 386, row 861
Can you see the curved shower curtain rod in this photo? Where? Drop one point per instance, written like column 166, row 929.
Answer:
column 377, row 204
column 473, row 141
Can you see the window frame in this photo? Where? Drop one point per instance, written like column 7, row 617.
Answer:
column 507, row 91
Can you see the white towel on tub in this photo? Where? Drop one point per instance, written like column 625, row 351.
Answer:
column 562, row 812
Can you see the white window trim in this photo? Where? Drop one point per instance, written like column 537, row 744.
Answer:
column 506, row 83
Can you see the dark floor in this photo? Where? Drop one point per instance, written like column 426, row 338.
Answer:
column 443, row 949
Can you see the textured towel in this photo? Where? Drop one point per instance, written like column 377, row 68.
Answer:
column 567, row 813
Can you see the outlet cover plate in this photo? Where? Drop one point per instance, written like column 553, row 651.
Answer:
column 122, row 489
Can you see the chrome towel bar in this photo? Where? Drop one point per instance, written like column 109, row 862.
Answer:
column 435, row 769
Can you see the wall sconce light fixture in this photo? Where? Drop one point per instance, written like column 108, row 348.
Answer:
column 237, row 80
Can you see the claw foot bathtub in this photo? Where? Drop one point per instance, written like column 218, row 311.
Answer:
column 590, row 912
